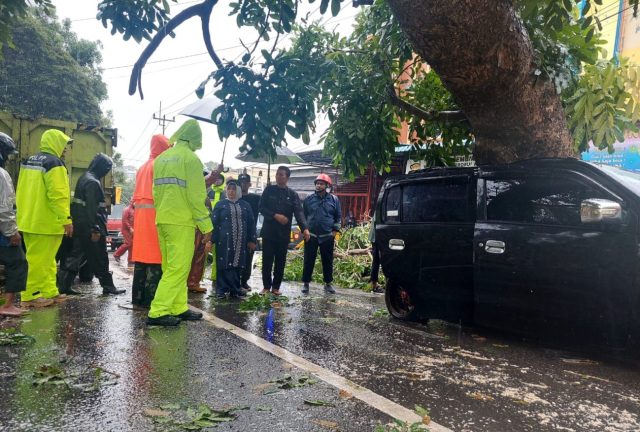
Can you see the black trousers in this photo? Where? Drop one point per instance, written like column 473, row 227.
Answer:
column 326, row 257
column 248, row 267
column 145, row 282
column 15, row 268
column 375, row 264
column 83, row 249
column 273, row 251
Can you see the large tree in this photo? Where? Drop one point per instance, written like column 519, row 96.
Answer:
column 49, row 72
column 523, row 78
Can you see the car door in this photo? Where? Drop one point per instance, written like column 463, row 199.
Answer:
column 539, row 270
column 426, row 245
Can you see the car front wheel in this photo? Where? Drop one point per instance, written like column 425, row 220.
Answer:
column 399, row 302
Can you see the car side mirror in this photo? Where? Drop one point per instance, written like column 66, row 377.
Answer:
column 594, row 210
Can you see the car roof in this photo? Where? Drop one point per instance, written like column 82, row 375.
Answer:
column 522, row 165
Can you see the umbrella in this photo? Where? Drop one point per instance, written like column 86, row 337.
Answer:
column 283, row 156
column 202, row 110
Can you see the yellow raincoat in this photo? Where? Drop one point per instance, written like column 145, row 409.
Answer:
column 42, row 202
column 179, row 194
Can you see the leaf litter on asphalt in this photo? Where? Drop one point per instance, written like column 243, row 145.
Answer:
column 288, row 382
column 203, row 416
column 13, row 337
column 90, row 379
column 257, row 302
column 402, row 426
column 318, row 402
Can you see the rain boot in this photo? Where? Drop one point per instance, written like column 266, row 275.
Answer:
column 64, row 281
column 139, row 280
column 108, row 287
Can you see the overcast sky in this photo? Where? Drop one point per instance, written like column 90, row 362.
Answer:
column 171, row 74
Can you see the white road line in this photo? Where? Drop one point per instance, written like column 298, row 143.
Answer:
column 367, row 396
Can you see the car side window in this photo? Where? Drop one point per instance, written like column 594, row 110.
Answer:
column 436, row 200
column 393, row 199
column 538, row 200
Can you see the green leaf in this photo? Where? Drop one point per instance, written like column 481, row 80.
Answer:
column 335, row 7
column 421, row 411
column 324, row 4
column 318, row 402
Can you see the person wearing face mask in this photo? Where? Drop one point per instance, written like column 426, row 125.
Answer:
column 42, row 202
column 234, row 235
column 11, row 253
column 89, row 215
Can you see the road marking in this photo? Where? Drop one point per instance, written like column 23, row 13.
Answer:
column 367, row 396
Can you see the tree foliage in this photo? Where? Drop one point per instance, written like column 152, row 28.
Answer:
column 10, row 10
column 367, row 83
column 50, row 72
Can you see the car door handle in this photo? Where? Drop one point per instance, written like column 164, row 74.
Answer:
column 396, row 244
column 494, row 246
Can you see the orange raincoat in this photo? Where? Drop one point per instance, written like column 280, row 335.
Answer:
column 146, row 247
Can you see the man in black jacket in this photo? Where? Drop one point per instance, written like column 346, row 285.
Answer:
column 89, row 216
column 277, row 205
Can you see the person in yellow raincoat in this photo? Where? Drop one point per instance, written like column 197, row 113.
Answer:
column 179, row 194
column 42, row 202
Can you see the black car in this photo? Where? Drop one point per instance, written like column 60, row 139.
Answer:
column 543, row 248
column 295, row 237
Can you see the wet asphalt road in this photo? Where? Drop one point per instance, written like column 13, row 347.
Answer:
column 470, row 380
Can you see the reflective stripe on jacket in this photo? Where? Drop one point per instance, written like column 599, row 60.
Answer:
column 42, row 194
column 179, row 191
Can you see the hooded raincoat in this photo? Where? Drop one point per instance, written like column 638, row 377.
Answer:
column 146, row 248
column 89, row 214
column 42, row 202
column 179, row 194
column 43, row 195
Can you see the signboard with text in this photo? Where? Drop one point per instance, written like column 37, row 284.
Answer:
column 626, row 154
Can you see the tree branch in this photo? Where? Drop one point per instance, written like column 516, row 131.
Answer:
column 442, row 116
column 203, row 10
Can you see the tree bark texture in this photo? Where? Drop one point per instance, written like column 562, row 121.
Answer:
column 482, row 52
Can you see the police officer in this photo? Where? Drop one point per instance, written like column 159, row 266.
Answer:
column 89, row 215
column 42, row 201
column 322, row 211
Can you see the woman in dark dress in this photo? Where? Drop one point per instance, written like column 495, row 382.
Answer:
column 234, row 234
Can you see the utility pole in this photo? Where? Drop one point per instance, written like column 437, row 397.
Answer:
column 162, row 119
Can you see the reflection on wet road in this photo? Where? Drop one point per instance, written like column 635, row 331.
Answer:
column 117, row 374
column 468, row 378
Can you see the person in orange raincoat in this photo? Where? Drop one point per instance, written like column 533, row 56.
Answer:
column 127, row 235
column 146, row 247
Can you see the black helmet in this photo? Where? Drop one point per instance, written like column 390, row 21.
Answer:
column 7, row 147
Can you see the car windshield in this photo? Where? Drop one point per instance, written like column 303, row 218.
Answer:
column 630, row 179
